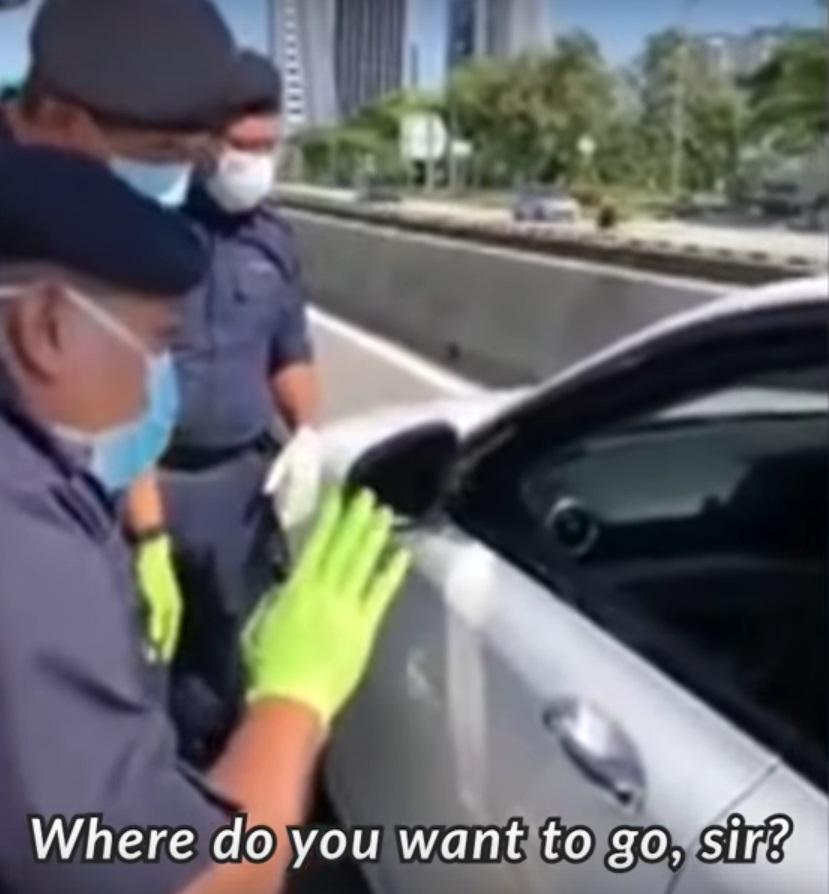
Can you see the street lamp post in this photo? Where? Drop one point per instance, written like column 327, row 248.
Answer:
column 678, row 136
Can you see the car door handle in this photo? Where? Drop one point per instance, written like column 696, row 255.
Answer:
column 599, row 748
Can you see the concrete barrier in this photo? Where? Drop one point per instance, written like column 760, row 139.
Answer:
column 612, row 248
column 498, row 315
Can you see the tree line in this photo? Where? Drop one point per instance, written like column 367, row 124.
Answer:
column 669, row 122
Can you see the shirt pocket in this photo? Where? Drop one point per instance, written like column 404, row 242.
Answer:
column 256, row 285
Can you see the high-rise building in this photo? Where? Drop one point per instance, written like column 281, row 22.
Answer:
column 302, row 41
column 369, row 50
column 501, row 29
column 519, row 26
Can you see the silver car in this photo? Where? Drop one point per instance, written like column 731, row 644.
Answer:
column 545, row 205
column 618, row 609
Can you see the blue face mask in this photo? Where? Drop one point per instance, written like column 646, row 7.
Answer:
column 166, row 182
column 119, row 455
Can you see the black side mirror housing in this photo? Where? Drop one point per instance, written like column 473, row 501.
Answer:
column 411, row 472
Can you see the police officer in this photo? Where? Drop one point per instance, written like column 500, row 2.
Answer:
column 138, row 83
column 244, row 356
column 87, row 402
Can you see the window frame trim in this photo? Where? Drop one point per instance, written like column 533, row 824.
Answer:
column 638, row 360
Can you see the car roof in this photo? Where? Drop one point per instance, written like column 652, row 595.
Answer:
column 811, row 290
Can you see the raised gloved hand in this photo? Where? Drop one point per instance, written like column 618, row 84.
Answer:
column 161, row 596
column 295, row 478
column 311, row 640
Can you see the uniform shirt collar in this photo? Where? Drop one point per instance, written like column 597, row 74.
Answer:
column 37, row 434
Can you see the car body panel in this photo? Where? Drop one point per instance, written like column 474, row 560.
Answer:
column 463, row 674
column 805, row 865
column 449, row 727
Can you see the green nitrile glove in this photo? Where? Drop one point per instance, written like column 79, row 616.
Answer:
column 160, row 593
column 311, row 641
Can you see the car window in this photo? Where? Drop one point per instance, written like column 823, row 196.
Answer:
column 696, row 533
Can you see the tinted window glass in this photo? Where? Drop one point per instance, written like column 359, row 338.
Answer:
column 698, row 535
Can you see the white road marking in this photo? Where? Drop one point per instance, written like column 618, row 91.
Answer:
column 396, row 355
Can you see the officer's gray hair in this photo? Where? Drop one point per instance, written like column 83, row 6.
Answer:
column 24, row 275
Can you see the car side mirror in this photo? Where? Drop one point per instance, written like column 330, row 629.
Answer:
column 411, row 472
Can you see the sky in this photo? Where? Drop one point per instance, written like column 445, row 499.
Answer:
column 620, row 26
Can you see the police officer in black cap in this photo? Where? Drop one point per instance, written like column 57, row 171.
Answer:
column 137, row 83
column 87, row 402
column 249, row 394
column 141, row 85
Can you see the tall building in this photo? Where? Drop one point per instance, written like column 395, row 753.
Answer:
column 302, row 41
column 499, row 29
column 463, row 40
column 519, row 26
column 369, row 50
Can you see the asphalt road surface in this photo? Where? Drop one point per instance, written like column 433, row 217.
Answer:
column 361, row 372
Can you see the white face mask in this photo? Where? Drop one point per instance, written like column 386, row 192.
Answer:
column 242, row 180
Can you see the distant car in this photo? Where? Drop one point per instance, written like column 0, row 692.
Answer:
column 545, row 205
column 377, row 194
column 617, row 611
column 814, row 218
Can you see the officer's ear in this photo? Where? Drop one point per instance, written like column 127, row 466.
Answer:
column 69, row 126
column 38, row 330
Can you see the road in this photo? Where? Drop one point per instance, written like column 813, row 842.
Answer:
column 361, row 372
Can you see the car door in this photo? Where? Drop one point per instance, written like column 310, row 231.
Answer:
column 680, row 541
column 500, row 690
column 804, row 864
column 410, row 750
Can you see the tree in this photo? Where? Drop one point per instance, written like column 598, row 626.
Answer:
column 788, row 96
column 474, row 106
column 526, row 116
column 676, row 83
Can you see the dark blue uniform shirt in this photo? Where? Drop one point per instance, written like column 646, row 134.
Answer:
column 6, row 135
column 244, row 324
column 83, row 711
column 83, row 721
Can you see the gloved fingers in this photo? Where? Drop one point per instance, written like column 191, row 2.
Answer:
column 386, row 586
column 346, row 546
column 365, row 564
column 172, row 630
column 322, row 537
column 156, row 627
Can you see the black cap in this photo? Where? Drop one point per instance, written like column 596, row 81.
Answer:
column 257, row 85
column 65, row 209
column 152, row 63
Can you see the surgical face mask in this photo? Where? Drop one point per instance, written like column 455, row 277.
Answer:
column 122, row 454
column 242, row 180
column 166, row 182
column 118, row 455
